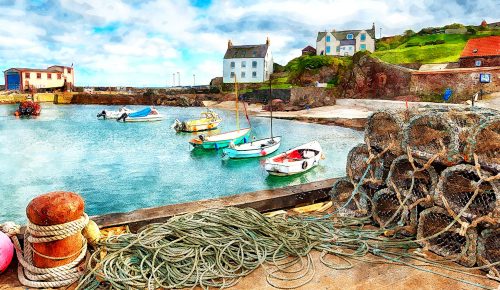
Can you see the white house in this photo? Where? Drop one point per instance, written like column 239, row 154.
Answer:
column 345, row 42
column 249, row 63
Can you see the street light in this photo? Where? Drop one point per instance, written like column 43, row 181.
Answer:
column 194, row 80
column 173, row 80
column 179, row 78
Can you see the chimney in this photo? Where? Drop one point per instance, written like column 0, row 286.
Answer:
column 268, row 42
column 373, row 26
column 229, row 43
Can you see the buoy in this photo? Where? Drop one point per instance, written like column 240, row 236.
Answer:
column 6, row 251
column 50, row 209
column 91, row 233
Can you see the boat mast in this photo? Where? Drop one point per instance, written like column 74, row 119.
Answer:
column 271, row 104
column 237, row 111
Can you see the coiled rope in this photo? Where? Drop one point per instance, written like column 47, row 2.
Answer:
column 36, row 277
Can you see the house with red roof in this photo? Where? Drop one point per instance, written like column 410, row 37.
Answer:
column 481, row 52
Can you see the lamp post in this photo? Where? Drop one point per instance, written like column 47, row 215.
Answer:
column 194, row 80
column 179, row 78
column 173, row 80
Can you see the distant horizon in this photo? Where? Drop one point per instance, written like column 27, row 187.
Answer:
column 149, row 44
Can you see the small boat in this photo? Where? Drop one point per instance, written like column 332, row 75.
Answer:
column 221, row 140
column 108, row 114
column 209, row 120
column 28, row 108
column 257, row 148
column 296, row 160
column 144, row 115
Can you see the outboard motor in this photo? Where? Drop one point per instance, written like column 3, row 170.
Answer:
column 202, row 137
column 102, row 114
column 122, row 117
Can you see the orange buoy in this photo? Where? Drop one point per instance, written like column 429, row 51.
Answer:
column 51, row 209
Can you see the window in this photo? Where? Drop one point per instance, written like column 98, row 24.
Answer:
column 254, row 53
column 38, row 75
column 243, row 74
column 49, row 76
column 338, row 48
column 350, row 47
column 243, row 64
column 328, row 49
column 254, row 64
column 69, row 70
column 232, row 64
column 232, row 74
column 363, row 46
column 328, row 38
column 58, row 76
column 254, row 74
column 350, row 36
column 27, row 75
column 363, row 36
column 478, row 63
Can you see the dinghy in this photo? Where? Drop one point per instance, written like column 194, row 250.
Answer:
column 256, row 148
column 223, row 140
column 108, row 114
column 209, row 120
column 144, row 115
column 296, row 160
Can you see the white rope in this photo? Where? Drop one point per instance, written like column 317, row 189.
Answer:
column 55, row 277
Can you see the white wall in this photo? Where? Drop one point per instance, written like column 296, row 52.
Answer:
column 349, row 49
column 263, row 69
column 370, row 42
column 322, row 44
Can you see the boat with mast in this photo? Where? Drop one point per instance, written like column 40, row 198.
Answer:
column 256, row 148
column 223, row 140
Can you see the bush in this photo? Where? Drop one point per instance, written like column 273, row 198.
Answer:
column 453, row 26
column 409, row 33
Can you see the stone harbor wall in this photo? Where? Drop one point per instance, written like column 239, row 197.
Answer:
column 310, row 97
column 463, row 82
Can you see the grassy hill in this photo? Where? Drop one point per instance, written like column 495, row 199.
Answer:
column 423, row 47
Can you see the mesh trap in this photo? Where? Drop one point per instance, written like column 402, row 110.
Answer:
column 488, row 249
column 341, row 193
column 485, row 143
column 387, row 210
column 384, row 129
column 356, row 166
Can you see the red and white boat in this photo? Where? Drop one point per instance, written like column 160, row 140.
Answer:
column 296, row 160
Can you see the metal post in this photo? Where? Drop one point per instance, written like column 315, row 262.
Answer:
column 179, row 78
column 271, row 104
column 194, row 80
column 173, row 80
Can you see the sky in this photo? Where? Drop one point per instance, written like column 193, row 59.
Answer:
column 143, row 43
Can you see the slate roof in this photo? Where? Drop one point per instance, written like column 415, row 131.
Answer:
column 348, row 42
column 246, row 51
column 32, row 69
column 340, row 35
column 309, row 48
column 484, row 46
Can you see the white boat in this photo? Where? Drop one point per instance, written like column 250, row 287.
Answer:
column 296, row 160
column 256, row 148
column 108, row 114
column 144, row 115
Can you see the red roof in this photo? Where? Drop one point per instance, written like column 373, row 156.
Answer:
column 309, row 48
column 484, row 46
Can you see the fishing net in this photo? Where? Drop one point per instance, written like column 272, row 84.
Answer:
column 388, row 210
column 432, row 233
column 384, row 129
column 465, row 122
column 347, row 204
column 485, row 143
column 414, row 184
column 488, row 249
column 457, row 187
column 357, row 165
column 432, row 135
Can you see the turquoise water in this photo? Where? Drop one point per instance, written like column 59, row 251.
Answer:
column 119, row 167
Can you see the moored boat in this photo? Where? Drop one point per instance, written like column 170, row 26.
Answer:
column 256, row 148
column 296, row 160
column 221, row 140
column 209, row 120
column 108, row 114
column 144, row 115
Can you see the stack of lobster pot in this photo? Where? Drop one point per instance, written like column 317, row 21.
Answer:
column 433, row 172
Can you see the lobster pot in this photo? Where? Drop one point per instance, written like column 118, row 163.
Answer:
column 356, row 166
column 388, row 212
column 485, row 143
column 427, row 134
column 384, row 129
column 488, row 248
column 400, row 179
column 465, row 121
column 457, row 185
column 51, row 209
column 344, row 203
column 449, row 243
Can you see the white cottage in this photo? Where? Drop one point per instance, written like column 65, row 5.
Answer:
column 249, row 63
column 346, row 42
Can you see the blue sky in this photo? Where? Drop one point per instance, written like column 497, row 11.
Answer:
column 142, row 43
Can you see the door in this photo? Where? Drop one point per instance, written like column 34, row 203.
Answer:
column 13, row 81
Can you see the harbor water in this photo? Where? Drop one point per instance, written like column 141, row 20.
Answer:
column 119, row 167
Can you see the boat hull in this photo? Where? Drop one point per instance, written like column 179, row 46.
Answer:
column 274, row 167
column 200, row 127
column 218, row 143
column 149, row 118
column 253, row 149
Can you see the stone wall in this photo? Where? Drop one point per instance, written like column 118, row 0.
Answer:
column 486, row 61
column 311, row 97
column 182, row 100
column 262, row 96
column 464, row 82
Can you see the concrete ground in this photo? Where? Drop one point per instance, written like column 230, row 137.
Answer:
column 362, row 276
